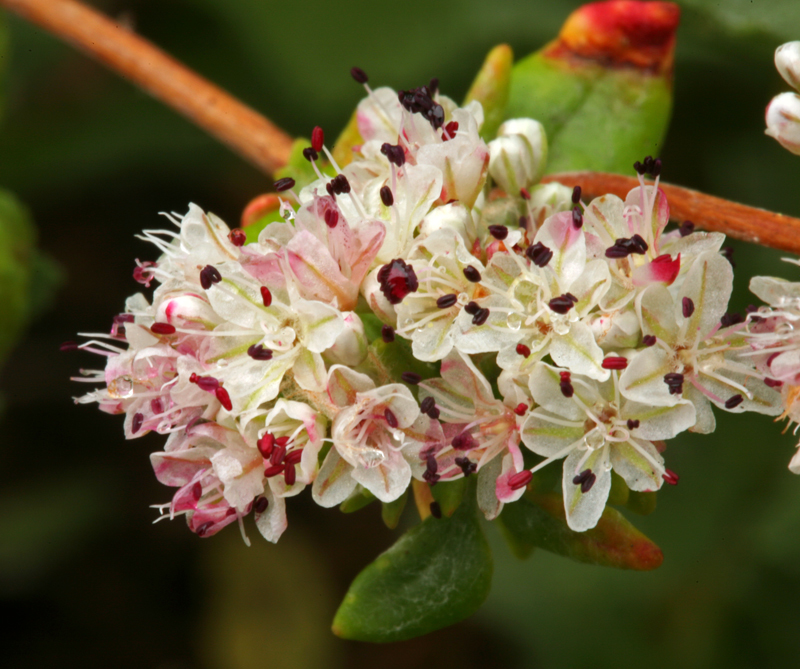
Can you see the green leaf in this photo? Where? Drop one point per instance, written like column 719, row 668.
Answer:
column 538, row 520
column 491, row 87
column 437, row 574
column 595, row 118
column 391, row 511
column 449, row 495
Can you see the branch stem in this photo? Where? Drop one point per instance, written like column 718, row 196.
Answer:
column 235, row 124
column 739, row 221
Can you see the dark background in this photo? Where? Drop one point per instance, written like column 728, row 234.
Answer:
column 87, row 581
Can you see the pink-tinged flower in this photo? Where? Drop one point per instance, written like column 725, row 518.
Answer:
column 783, row 112
column 518, row 155
column 371, row 428
column 480, row 434
column 596, row 430
column 538, row 304
column 326, row 254
column 694, row 357
column 218, row 481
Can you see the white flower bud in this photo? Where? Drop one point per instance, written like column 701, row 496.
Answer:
column 783, row 121
column 549, row 199
column 350, row 347
column 518, row 156
column 787, row 60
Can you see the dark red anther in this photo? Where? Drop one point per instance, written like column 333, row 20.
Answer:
column 274, row 470
column 397, row 279
column 205, row 527
column 231, row 511
column 68, row 346
column 431, row 465
column 386, row 196
column 310, row 155
column 773, row 383
column 207, row 383
column 197, row 491
column 331, row 218
column 261, row 504
column 520, row 409
column 638, row 245
column 524, row 194
column 290, row 474
column 162, row 329
column 688, row 307
column 467, row 466
column 436, row 510
column 577, row 217
column 632, row 423
column 387, row 334
column 670, row 477
column 359, row 75
column 266, row 296
column 464, row 442
column 258, row 352
column 586, row 486
column 480, row 317
column 446, row 301
column 136, row 423
column 411, row 378
column 340, row 184
column 394, row 153
column 523, row 350
column 615, row 362
column 561, row 304
column 498, row 231
column 294, row 457
column 156, row 406
column 329, row 188
column 615, row 252
column 472, row 274
column 732, row 318
column 566, row 384
column 580, row 478
column 450, row 131
column 284, row 184
column 209, row 275
column 224, row 398
column 427, row 404
column 193, row 378
column 539, row 254
column 317, row 138
column 237, row 236
column 278, row 453
column 576, row 195
column 282, row 441
column 686, row 229
column 434, row 413
column 266, row 444
column 391, row 419
column 674, row 382
column 523, row 222
column 472, row 308
column 520, row 479
column 430, row 475
column 734, row 401
column 649, row 340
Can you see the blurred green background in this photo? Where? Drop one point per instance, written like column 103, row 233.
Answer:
column 86, row 581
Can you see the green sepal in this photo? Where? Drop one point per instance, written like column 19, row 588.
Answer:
column 438, row 573
column 491, row 87
column 619, row 493
column 391, row 511
column 596, row 118
column 642, row 503
column 358, row 499
column 539, row 520
column 449, row 495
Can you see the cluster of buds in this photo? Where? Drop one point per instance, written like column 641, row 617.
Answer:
column 783, row 112
column 608, row 335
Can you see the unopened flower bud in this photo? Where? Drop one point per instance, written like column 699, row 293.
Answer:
column 783, row 121
column 350, row 347
column 517, row 157
column 787, row 60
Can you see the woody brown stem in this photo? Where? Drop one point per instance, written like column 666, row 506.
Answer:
column 739, row 221
column 243, row 129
